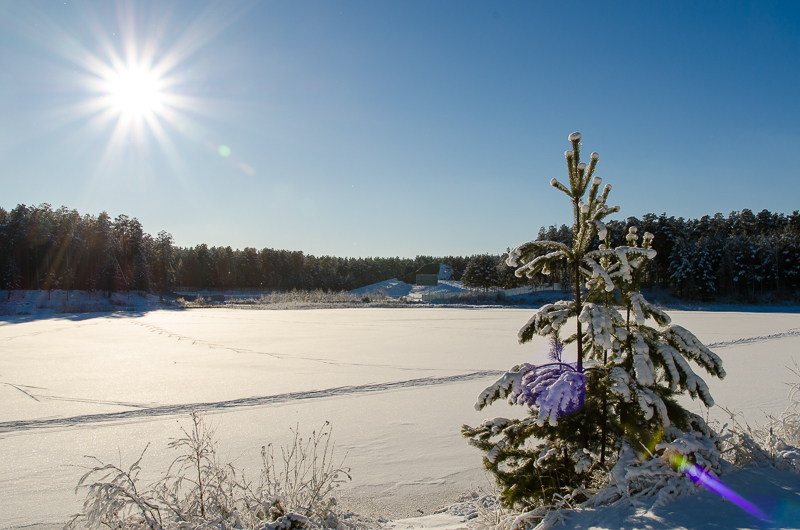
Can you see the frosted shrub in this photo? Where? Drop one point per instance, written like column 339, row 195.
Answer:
column 776, row 443
column 114, row 500
column 303, row 478
column 317, row 297
column 199, row 301
column 198, row 492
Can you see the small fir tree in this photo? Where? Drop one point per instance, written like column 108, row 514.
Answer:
column 619, row 393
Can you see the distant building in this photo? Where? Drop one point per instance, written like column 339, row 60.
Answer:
column 429, row 274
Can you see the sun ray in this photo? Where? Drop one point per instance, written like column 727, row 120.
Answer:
column 129, row 79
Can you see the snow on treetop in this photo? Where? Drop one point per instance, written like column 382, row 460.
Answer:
column 574, row 136
column 568, row 154
column 582, row 166
column 596, row 181
column 595, row 156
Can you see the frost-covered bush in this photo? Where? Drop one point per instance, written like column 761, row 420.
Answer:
column 293, row 491
column 199, row 301
column 776, row 443
column 619, row 392
column 302, row 298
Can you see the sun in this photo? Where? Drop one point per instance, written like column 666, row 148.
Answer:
column 134, row 91
column 138, row 86
column 133, row 98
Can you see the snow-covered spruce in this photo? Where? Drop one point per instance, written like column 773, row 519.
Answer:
column 615, row 402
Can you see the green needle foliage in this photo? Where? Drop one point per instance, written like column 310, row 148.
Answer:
column 634, row 361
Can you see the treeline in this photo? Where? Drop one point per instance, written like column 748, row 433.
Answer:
column 741, row 255
column 43, row 248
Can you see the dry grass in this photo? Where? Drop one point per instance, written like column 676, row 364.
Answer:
column 198, row 492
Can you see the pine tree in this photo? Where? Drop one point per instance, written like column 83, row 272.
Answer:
column 681, row 270
column 481, row 272
column 619, row 394
column 709, row 259
column 790, row 260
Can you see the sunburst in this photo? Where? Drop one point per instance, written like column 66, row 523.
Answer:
column 133, row 85
column 135, row 91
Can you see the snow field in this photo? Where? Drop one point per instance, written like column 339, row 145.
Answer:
column 45, row 304
column 95, row 366
column 758, row 378
column 397, row 384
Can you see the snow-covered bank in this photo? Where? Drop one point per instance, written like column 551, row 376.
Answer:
column 44, row 304
column 387, row 294
column 396, row 289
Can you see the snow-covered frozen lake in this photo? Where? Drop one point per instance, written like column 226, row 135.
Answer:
column 397, row 384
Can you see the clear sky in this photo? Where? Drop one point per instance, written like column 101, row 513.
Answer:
column 394, row 128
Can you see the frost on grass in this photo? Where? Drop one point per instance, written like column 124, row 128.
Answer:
column 293, row 491
column 775, row 444
column 297, row 299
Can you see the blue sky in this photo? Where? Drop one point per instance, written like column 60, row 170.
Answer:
column 394, row 128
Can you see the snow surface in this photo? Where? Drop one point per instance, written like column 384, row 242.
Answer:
column 397, row 384
column 50, row 303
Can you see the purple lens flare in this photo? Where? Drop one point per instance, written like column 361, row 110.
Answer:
column 704, row 478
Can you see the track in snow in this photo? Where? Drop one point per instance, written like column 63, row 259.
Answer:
column 749, row 340
column 167, row 410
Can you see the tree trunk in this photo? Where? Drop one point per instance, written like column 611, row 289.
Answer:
column 578, row 308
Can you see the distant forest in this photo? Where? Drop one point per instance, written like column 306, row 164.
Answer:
column 742, row 255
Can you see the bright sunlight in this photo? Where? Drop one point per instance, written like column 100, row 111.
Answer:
column 134, row 91
column 139, row 87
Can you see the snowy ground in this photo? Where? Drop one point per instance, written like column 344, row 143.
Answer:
column 56, row 302
column 397, row 384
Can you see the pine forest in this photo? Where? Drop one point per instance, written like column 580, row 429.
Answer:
column 742, row 256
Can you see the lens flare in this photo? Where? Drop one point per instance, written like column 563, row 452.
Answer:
column 702, row 477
